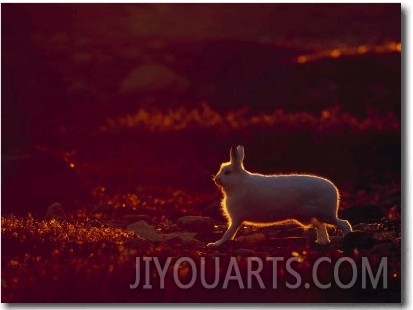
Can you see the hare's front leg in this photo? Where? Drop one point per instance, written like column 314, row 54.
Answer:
column 229, row 234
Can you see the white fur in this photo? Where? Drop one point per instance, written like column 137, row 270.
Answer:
column 267, row 199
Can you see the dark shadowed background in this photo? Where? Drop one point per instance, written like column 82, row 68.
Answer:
column 70, row 62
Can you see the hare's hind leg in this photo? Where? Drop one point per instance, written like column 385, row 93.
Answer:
column 321, row 230
column 344, row 225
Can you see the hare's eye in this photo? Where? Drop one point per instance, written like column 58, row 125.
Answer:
column 226, row 172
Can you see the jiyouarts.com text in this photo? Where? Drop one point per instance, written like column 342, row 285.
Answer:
column 268, row 272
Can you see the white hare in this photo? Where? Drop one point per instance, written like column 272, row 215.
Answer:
column 258, row 199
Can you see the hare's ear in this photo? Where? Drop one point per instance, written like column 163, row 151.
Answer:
column 233, row 155
column 240, row 154
column 237, row 156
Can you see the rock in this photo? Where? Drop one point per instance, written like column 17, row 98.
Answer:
column 172, row 243
column 185, row 236
column 242, row 251
column 288, row 241
column 195, row 244
column 284, row 230
column 145, row 231
column 55, row 212
column 291, row 232
column 153, row 78
column 148, row 232
column 358, row 214
column 251, row 239
column 196, row 223
column 132, row 218
column 357, row 239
